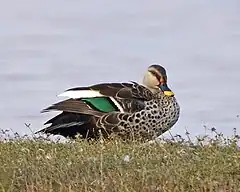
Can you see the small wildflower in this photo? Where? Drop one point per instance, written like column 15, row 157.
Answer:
column 126, row 158
column 25, row 150
column 165, row 157
column 48, row 156
column 213, row 129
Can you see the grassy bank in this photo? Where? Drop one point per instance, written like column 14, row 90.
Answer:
column 37, row 165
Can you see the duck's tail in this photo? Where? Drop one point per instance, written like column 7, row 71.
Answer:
column 70, row 124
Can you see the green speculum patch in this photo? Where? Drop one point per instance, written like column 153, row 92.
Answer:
column 101, row 103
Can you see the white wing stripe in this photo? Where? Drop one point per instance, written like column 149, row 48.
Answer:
column 88, row 94
column 80, row 94
column 117, row 104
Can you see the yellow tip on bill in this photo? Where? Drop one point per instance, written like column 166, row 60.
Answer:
column 168, row 93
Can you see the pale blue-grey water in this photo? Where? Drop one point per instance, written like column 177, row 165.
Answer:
column 49, row 46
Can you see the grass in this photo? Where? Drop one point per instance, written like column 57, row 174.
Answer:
column 209, row 164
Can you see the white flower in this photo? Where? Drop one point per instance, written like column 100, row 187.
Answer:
column 48, row 156
column 126, row 158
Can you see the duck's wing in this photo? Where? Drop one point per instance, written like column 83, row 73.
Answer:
column 76, row 117
column 70, row 124
column 125, row 97
column 105, row 103
column 74, row 106
column 118, row 90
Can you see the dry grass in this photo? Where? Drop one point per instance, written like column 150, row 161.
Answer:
column 39, row 165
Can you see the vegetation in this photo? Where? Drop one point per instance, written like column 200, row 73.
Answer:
column 209, row 164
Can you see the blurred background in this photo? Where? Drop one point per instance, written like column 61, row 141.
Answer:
column 49, row 46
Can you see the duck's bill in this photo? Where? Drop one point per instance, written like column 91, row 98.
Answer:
column 166, row 90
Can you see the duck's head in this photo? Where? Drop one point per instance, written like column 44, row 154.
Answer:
column 155, row 78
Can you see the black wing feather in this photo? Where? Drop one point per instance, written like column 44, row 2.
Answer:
column 74, row 106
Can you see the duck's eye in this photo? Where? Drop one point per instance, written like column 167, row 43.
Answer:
column 159, row 77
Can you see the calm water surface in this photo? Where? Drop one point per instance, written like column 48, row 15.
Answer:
column 49, row 46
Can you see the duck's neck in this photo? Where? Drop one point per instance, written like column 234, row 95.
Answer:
column 153, row 90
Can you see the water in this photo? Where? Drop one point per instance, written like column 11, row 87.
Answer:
column 49, row 46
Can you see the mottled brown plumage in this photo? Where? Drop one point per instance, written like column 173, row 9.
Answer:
column 134, row 111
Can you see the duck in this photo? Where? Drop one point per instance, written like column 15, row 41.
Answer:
column 128, row 110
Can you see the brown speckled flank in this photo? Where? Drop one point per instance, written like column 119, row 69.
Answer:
column 144, row 111
column 158, row 116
